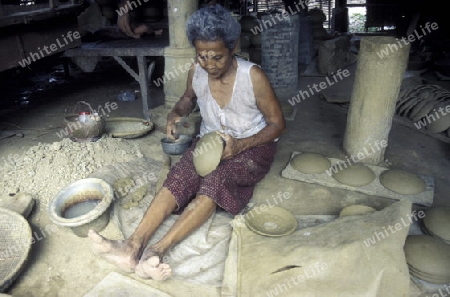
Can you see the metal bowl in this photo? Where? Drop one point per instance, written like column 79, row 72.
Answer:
column 83, row 190
column 176, row 147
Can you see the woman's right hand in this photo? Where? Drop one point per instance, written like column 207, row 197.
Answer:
column 124, row 24
column 171, row 127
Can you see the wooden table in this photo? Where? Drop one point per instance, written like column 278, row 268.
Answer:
column 139, row 48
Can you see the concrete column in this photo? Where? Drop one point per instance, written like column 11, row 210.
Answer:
column 180, row 52
column 379, row 72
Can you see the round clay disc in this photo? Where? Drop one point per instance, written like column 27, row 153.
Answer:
column 356, row 175
column 428, row 254
column 437, row 221
column 310, row 163
column 354, row 210
column 402, row 182
column 207, row 153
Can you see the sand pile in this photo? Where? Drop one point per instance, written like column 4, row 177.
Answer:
column 44, row 169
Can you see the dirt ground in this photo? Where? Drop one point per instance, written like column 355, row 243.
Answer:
column 63, row 265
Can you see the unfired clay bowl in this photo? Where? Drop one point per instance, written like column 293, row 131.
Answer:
column 356, row 175
column 438, row 125
column 310, row 163
column 207, row 153
column 402, row 182
column 354, row 210
column 428, row 255
column 437, row 221
column 273, row 222
column 287, row 109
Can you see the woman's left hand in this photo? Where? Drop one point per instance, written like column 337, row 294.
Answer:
column 231, row 146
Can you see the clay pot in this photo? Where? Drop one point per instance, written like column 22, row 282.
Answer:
column 255, row 55
column 152, row 12
column 248, row 23
column 105, row 2
column 287, row 109
column 317, row 16
column 256, row 40
column 245, row 41
column 207, row 153
column 108, row 12
column 443, row 66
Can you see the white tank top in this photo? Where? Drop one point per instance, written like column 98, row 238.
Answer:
column 241, row 118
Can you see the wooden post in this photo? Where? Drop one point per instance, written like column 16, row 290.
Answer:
column 379, row 72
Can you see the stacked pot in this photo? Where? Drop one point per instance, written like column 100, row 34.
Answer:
column 437, row 223
column 251, row 42
column 428, row 256
column 426, row 105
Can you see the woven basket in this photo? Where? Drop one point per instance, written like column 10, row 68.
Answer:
column 15, row 245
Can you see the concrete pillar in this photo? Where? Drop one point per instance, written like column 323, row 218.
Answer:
column 379, row 72
column 180, row 52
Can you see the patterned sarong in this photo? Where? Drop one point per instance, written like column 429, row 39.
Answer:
column 230, row 185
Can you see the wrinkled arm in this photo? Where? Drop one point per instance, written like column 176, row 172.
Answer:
column 183, row 107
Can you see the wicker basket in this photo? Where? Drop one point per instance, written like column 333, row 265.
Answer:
column 125, row 127
column 15, row 245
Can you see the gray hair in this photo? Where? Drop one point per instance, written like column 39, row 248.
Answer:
column 213, row 23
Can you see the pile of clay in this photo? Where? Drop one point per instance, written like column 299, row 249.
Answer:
column 46, row 168
column 437, row 223
column 428, row 258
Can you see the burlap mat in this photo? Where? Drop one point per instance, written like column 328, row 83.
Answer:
column 200, row 258
column 350, row 256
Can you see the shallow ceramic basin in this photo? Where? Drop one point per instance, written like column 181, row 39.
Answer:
column 94, row 193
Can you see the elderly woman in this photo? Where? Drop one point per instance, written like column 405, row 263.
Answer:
column 237, row 101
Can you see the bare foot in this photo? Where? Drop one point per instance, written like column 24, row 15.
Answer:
column 117, row 252
column 150, row 266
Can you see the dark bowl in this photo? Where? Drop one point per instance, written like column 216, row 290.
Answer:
column 176, row 147
column 443, row 66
